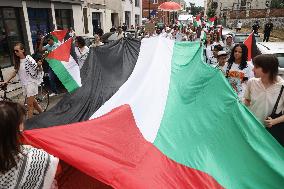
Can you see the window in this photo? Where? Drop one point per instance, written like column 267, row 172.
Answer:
column 137, row 19
column 39, row 23
column 127, row 18
column 64, row 18
column 9, row 34
column 137, row 3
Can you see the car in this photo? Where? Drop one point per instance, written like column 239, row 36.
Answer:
column 241, row 37
column 227, row 31
column 276, row 48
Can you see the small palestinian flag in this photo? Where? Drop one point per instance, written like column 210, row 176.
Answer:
column 58, row 35
column 211, row 21
column 64, row 66
column 197, row 21
column 250, row 42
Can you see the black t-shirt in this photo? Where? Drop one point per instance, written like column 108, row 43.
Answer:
column 255, row 27
column 268, row 27
column 124, row 27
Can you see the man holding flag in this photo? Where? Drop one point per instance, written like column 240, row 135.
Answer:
column 51, row 45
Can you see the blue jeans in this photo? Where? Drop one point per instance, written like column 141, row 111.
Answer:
column 52, row 81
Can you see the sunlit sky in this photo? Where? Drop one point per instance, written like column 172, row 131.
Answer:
column 197, row 2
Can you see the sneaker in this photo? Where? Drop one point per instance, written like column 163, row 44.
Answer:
column 52, row 94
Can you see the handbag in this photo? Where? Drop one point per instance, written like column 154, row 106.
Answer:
column 277, row 131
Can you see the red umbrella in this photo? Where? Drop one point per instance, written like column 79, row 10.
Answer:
column 170, row 6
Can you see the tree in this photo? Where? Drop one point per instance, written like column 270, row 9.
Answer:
column 210, row 13
column 277, row 4
column 194, row 10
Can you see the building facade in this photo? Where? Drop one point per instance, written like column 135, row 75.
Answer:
column 107, row 13
column 150, row 10
column 22, row 21
column 132, row 12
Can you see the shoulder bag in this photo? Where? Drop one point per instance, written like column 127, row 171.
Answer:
column 277, row 131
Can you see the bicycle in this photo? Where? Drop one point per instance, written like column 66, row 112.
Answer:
column 42, row 97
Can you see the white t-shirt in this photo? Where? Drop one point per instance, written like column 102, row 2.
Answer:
column 167, row 35
column 208, row 53
column 24, row 77
column 82, row 54
column 262, row 100
column 213, row 61
column 179, row 36
column 239, row 25
column 236, row 76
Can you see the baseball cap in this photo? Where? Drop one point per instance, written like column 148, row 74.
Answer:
column 222, row 53
column 227, row 36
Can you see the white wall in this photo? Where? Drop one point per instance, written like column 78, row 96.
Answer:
column 78, row 19
column 127, row 6
column 108, row 23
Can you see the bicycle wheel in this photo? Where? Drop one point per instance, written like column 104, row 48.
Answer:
column 42, row 97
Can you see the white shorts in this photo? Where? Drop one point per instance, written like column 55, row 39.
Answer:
column 30, row 89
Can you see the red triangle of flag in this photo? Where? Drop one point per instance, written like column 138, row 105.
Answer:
column 61, row 53
column 59, row 34
column 248, row 42
column 198, row 17
column 212, row 19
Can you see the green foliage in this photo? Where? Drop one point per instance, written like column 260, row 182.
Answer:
column 210, row 13
column 277, row 4
column 196, row 10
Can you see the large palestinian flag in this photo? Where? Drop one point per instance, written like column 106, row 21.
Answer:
column 175, row 123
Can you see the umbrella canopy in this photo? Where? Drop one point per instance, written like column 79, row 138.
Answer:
column 170, row 6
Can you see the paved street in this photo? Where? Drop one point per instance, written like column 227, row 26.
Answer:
column 52, row 100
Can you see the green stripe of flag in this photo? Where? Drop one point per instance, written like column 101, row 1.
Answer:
column 210, row 130
column 63, row 75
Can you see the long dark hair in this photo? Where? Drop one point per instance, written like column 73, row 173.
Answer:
column 205, row 41
column 11, row 116
column 269, row 64
column 243, row 63
column 81, row 41
column 16, row 58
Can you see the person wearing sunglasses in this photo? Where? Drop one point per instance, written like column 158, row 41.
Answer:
column 30, row 74
column 51, row 45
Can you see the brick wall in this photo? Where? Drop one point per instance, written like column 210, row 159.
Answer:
column 161, row 15
column 250, row 16
column 278, row 22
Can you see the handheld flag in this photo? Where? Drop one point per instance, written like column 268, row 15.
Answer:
column 58, row 35
column 250, row 42
column 64, row 66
